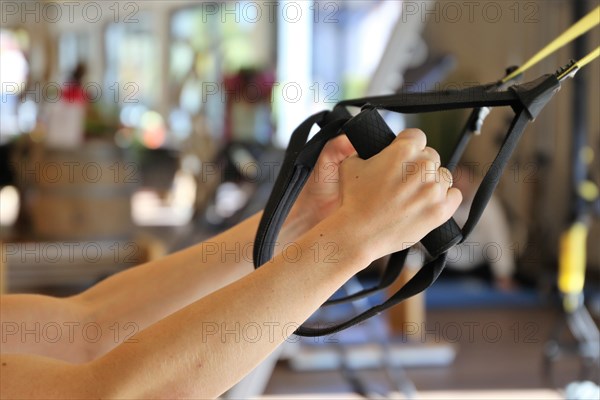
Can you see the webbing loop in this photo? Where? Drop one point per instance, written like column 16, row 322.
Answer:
column 369, row 134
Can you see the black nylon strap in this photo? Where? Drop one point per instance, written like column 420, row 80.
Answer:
column 533, row 96
column 392, row 271
column 465, row 136
column 287, row 188
column 419, row 282
column 298, row 163
column 493, row 175
column 269, row 225
column 527, row 101
column 409, row 103
column 429, row 273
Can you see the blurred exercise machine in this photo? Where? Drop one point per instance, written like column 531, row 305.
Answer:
column 585, row 205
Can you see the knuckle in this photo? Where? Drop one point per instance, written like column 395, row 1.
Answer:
column 438, row 211
column 430, row 166
column 432, row 193
column 401, row 154
column 405, row 150
column 446, row 176
column 439, row 191
column 416, row 132
column 442, row 189
column 433, row 154
column 414, row 135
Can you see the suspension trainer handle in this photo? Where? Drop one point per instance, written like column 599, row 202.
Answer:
column 369, row 134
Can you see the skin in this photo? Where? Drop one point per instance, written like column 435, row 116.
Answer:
column 195, row 313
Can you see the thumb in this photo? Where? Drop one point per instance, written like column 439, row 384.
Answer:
column 407, row 143
column 413, row 134
column 338, row 149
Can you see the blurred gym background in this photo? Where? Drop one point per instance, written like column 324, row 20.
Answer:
column 132, row 129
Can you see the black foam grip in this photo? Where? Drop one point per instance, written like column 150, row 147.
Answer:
column 442, row 238
column 369, row 134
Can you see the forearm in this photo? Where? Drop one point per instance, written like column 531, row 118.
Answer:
column 47, row 326
column 143, row 295
column 205, row 347
column 189, row 353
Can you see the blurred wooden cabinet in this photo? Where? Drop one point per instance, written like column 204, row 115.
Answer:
column 73, row 265
column 76, row 194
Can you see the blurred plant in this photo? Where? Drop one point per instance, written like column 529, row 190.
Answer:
column 101, row 121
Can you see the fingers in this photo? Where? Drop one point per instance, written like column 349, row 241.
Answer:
column 429, row 160
column 453, row 199
column 410, row 146
column 338, row 149
column 445, row 177
column 343, row 145
column 432, row 155
column 442, row 206
column 417, row 136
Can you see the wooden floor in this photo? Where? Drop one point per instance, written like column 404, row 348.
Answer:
column 499, row 352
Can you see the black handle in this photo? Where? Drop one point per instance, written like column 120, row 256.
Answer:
column 369, row 134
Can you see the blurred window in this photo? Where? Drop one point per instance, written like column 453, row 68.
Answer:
column 73, row 48
column 14, row 70
column 208, row 42
column 132, row 62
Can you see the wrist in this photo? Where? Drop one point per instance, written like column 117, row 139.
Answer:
column 295, row 226
column 351, row 249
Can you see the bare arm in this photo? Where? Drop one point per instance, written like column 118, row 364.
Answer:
column 216, row 341
column 83, row 327
column 190, row 353
column 206, row 347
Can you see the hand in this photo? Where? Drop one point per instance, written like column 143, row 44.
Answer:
column 321, row 194
column 390, row 201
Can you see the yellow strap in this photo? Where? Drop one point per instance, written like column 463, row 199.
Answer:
column 589, row 58
column 571, row 262
column 579, row 64
column 576, row 30
column 575, row 66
